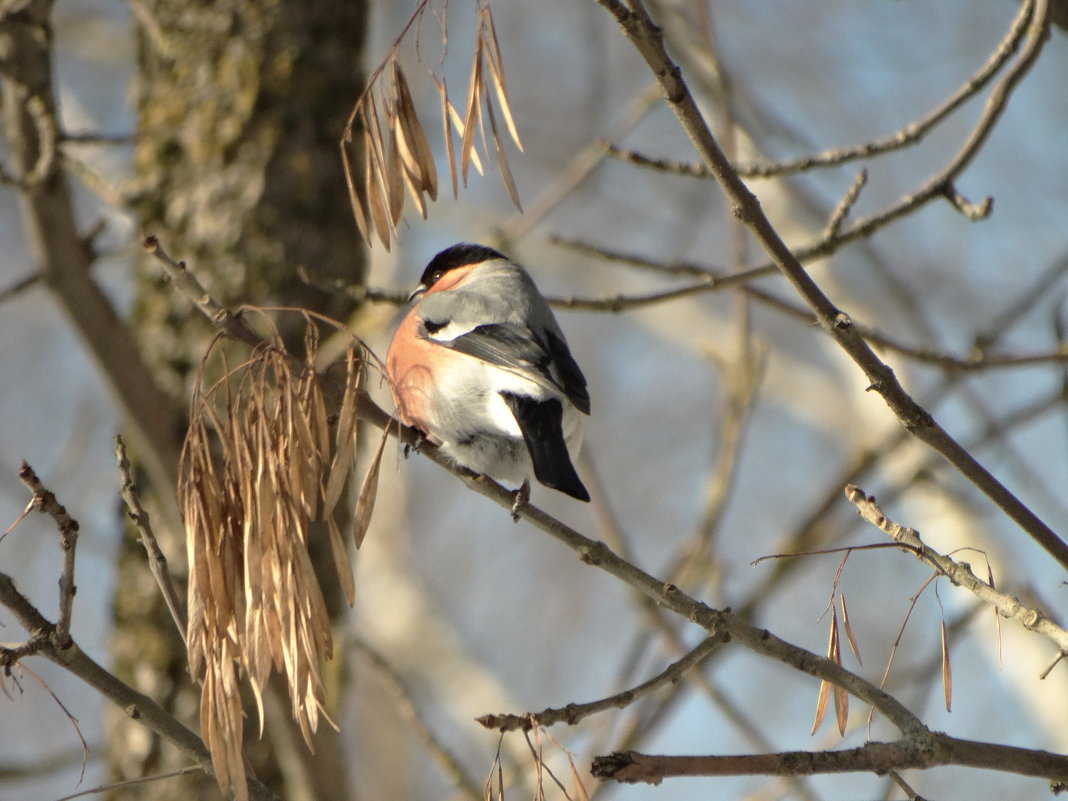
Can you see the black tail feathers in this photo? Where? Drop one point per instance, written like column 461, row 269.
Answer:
column 542, row 425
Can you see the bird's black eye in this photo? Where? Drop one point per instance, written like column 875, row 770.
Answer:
column 435, row 277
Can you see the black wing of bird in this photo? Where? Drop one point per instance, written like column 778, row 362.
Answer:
column 518, row 348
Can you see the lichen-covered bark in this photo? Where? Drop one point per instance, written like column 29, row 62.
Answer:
column 240, row 105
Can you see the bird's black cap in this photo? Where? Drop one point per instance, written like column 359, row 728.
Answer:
column 457, row 256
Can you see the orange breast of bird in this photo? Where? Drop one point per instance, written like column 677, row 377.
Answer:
column 408, row 367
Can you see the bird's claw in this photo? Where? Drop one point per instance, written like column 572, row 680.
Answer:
column 521, row 499
column 416, row 445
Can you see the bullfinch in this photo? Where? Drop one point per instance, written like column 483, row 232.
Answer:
column 480, row 366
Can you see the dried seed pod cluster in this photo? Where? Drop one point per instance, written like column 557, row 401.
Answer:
column 263, row 462
column 385, row 149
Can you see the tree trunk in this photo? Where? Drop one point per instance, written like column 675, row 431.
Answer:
column 240, row 105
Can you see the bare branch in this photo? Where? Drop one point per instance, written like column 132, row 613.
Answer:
column 1056, row 661
column 157, row 562
column 18, row 286
column 229, row 323
column 725, row 624
column 108, row 788
column 44, row 501
column 96, row 138
column 137, row 706
column 973, row 211
column 405, row 705
column 911, row 794
column 573, row 713
column 960, row 573
column 841, row 211
column 925, row 751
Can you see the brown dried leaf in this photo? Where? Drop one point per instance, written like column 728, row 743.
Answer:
column 320, row 425
column 379, row 215
column 947, row 670
column 374, row 178
column 825, row 686
column 458, row 124
column 410, row 171
column 472, row 114
column 838, row 571
column 413, row 135
column 341, row 560
column 394, row 175
column 576, row 778
column 359, row 213
column 257, row 697
column 496, row 69
column 849, row 631
column 580, row 789
column 821, row 705
column 311, row 340
column 221, row 722
column 446, row 128
column 414, row 192
column 365, row 502
column 346, row 439
column 317, row 454
column 502, row 160
column 299, row 453
column 841, row 697
column 250, row 481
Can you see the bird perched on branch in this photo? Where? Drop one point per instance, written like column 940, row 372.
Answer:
column 480, row 365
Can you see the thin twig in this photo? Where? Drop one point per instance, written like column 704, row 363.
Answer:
column 712, row 280
column 643, row 725
column 96, row 138
column 229, row 323
column 405, row 706
column 911, row 794
column 973, row 211
column 1056, row 661
column 358, row 292
column 910, row 134
column 841, row 211
column 18, row 286
column 44, row 501
column 70, row 718
column 136, row 705
column 108, row 788
column 157, row 562
column 573, row 713
column 960, row 573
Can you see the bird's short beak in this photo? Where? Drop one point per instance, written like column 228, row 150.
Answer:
column 418, row 293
